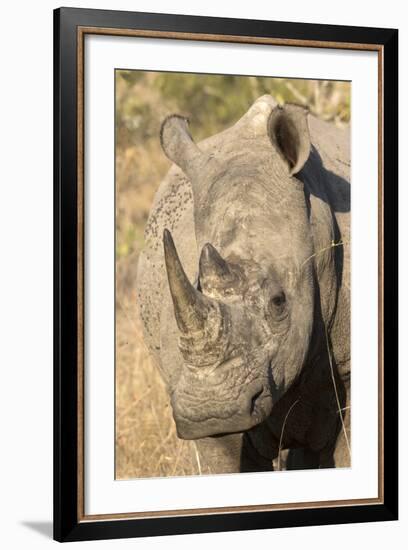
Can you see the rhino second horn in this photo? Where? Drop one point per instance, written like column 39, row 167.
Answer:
column 212, row 265
column 191, row 308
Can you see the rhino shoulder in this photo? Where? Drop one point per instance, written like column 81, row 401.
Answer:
column 332, row 144
column 172, row 209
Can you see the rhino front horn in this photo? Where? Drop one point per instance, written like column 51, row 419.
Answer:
column 191, row 308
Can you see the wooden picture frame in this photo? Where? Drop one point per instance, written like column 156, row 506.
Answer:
column 71, row 26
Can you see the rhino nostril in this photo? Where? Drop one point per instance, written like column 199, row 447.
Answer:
column 254, row 400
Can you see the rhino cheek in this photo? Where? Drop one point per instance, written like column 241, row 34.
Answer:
column 292, row 354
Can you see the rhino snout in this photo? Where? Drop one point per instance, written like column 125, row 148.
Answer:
column 211, row 415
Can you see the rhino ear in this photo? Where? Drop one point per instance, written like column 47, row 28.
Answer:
column 179, row 146
column 289, row 133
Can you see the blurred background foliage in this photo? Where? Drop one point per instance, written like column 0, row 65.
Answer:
column 212, row 103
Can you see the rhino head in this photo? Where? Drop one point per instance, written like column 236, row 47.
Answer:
column 245, row 325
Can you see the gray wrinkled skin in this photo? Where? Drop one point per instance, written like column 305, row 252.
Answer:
column 243, row 297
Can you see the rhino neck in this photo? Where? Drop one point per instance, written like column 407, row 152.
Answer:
column 329, row 259
column 306, row 416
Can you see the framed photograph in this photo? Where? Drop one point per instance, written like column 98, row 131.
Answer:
column 225, row 274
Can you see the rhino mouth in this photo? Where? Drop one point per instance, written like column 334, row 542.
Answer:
column 250, row 410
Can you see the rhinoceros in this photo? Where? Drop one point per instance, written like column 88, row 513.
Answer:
column 243, row 289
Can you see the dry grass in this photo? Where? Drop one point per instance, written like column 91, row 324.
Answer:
column 146, row 441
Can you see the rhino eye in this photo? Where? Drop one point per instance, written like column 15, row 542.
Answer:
column 279, row 300
column 277, row 307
